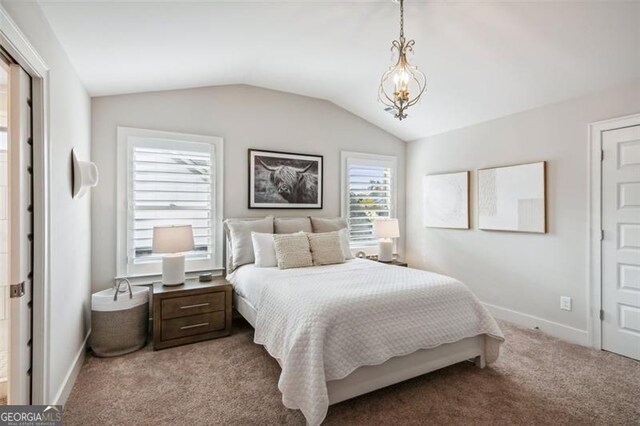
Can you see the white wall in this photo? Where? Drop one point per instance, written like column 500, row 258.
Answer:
column 246, row 117
column 69, row 127
column 526, row 273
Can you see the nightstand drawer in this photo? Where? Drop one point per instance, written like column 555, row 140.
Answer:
column 192, row 325
column 177, row 307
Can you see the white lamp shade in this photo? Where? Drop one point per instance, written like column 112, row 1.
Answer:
column 386, row 228
column 172, row 239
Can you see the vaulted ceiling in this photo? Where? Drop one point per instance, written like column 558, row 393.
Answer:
column 483, row 60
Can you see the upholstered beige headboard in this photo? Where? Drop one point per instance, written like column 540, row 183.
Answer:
column 227, row 240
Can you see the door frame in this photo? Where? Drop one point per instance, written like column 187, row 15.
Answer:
column 594, row 224
column 18, row 47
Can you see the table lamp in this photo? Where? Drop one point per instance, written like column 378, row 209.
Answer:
column 174, row 241
column 386, row 230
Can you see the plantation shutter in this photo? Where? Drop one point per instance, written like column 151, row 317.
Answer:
column 370, row 186
column 171, row 183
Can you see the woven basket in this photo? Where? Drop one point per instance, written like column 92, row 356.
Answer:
column 119, row 321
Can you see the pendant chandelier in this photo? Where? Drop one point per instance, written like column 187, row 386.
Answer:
column 402, row 80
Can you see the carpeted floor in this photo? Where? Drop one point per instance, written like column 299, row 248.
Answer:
column 537, row 380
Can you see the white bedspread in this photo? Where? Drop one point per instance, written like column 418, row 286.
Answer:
column 321, row 323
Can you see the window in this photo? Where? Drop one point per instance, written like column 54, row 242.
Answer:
column 168, row 179
column 368, row 192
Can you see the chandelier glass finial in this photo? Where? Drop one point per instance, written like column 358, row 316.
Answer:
column 402, row 80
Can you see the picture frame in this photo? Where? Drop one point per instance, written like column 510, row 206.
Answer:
column 513, row 198
column 285, row 180
column 446, row 200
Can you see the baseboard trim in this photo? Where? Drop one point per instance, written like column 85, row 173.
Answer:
column 70, row 379
column 561, row 331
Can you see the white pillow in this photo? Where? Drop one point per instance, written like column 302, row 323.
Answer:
column 239, row 231
column 344, row 243
column 263, row 250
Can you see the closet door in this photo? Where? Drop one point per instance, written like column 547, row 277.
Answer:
column 20, row 235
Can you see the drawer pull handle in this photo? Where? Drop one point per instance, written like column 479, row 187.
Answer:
column 194, row 306
column 186, row 327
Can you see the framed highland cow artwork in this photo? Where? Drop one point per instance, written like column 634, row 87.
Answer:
column 284, row 180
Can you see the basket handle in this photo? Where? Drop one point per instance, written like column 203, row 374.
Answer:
column 119, row 282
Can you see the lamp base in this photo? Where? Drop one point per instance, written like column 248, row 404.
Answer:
column 385, row 250
column 173, row 269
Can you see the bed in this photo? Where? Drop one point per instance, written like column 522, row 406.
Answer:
column 340, row 331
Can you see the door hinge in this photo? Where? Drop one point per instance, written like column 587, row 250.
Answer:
column 602, row 235
column 601, row 314
column 16, row 290
column 602, row 155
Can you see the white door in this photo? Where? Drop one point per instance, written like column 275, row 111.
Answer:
column 4, row 231
column 621, row 243
column 20, row 235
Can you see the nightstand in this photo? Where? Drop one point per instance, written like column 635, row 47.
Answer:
column 192, row 312
column 395, row 262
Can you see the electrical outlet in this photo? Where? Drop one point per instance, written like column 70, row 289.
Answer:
column 565, row 303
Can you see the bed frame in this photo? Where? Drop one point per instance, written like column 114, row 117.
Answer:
column 370, row 378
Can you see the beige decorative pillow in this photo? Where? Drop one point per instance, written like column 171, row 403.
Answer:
column 326, row 248
column 323, row 224
column 292, row 250
column 289, row 225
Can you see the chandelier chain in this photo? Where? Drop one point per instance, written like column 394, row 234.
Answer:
column 401, row 19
